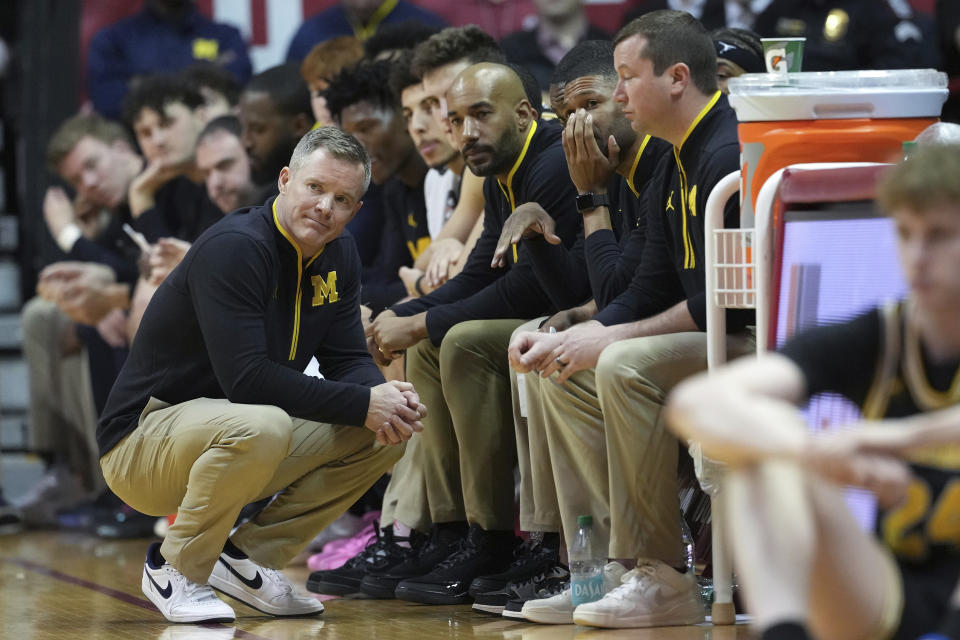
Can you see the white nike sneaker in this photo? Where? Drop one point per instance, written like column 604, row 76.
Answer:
column 652, row 595
column 177, row 598
column 265, row 590
column 558, row 609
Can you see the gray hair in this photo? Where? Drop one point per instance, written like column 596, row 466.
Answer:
column 338, row 143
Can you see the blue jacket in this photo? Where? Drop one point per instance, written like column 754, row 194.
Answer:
column 333, row 22
column 144, row 44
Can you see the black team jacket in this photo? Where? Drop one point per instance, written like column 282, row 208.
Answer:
column 480, row 292
column 604, row 262
column 240, row 318
column 672, row 268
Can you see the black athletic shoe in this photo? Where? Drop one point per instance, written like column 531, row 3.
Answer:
column 538, row 553
column 425, row 554
column 521, row 590
column 481, row 553
column 545, row 585
column 346, row 580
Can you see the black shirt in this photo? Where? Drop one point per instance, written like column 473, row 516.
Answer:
column 403, row 237
column 240, row 318
column 601, row 265
column 182, row 209
column 672, row 268
column 479, row 292
column 613, row 256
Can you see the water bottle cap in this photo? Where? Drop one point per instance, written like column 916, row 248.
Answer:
column 584, row 521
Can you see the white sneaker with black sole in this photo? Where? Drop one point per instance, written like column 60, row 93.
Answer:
column 652, row 595
column 177, row 598
column 559, row 609
column 266, row 590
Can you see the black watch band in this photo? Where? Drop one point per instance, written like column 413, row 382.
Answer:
column 590, row 201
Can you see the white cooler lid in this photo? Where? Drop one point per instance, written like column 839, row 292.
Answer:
column 831, row 95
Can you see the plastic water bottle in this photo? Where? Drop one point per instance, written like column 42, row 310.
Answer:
column 690, row 554
column 586, row 565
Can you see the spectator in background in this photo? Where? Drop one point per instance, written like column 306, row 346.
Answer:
column 739, row 51
column 561, row 25
column 360, row 18
column 322, row 63
column 72, row 367
column 166, row 35
column 274, row 114
column 841, row 35
column 168, row 199
column 223, row 162
column 393, row 40
column 219, row 88
column 497, row 18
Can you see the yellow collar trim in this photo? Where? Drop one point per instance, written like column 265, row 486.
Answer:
column 700, row 116
column 516, row 166
column 633, row 168
column 295, row 338
column 924, row 395
column 286, row 234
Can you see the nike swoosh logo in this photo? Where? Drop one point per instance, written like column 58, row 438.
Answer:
column 255, row 583
column 166, row 592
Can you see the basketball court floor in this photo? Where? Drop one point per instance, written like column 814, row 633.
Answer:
column 62, row 585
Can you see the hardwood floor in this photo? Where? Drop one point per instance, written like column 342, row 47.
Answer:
column 59, row 585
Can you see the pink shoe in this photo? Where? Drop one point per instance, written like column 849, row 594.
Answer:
column 341, row 551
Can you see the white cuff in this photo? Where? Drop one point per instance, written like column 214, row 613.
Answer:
column 68, row 237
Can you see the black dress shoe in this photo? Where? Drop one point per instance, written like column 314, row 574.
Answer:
column 481, row 553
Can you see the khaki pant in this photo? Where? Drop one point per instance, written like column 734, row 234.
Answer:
column 467, row 448
column 63, row 419
column 205, row 459
column 405, row 499
column 539, row 509
column 612, row 455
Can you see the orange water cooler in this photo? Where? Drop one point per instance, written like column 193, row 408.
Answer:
column 841, row 116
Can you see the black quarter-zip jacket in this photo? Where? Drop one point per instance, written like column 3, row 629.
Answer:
column 479, row 292
column 240, row 318
column 672, row 267
column 603, row 264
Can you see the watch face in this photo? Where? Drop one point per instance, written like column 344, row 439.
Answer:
column 589, row 201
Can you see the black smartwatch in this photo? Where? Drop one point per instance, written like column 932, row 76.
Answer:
column 590, row 201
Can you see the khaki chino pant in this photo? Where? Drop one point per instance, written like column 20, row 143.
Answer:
column 611, row 453
column 405, row 499
column 539, row 509
column 467, row 449
column 63, row 419
column 205, row 459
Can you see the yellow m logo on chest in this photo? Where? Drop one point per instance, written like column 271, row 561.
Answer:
column 325, row 289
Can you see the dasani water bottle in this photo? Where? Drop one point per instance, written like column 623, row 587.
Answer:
column 586, row 565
